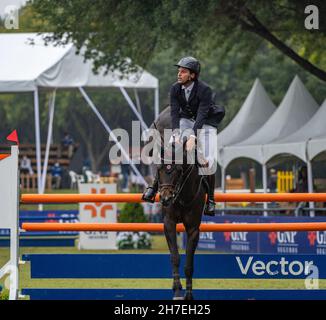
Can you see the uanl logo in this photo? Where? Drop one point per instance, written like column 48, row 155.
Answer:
column 98, row 209
column 235, row 236
column 317, row 236
column 207, row 236
column 287, row 237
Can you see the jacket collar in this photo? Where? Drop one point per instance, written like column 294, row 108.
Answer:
column 189, row 87
column 193, row 91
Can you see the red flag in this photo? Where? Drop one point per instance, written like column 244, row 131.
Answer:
column 13, row 137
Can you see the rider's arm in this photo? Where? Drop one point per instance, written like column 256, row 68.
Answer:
column 205, row 102
column 175, row 108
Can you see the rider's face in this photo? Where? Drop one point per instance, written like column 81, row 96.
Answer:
column 184, row 75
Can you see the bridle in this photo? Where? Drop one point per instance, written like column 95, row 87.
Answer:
column 178, row 187
column 180, row 183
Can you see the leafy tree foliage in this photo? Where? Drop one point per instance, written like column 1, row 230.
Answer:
column 132, row 212
column 114, row 30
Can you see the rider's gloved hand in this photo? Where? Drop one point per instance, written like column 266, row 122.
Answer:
column 175, row 137
column 191, row 143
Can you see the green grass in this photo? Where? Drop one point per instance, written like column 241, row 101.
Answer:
column 159, row 246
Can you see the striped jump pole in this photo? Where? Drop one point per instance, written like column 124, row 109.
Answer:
column 159, row 227
column 136, row 197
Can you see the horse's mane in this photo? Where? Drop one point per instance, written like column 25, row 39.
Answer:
column 163, row 121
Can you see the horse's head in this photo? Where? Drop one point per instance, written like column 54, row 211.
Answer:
column 171, row 172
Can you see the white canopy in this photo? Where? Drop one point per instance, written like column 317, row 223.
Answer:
column 254, row 112
column 296, row 143
column 316, row 146
column 295, row 110
column 26, row 63
column 317, row 142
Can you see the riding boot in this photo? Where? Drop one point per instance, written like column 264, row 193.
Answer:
column 210, row 204
column 151, row 191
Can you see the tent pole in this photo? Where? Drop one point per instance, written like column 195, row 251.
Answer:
column 49, row 138
column 108, row 129
column 156, row 103
column 38, row 143
column 138, row 102
column 133, row 108
column 310, row 187
column 264, row 172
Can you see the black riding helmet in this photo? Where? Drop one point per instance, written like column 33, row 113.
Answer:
column 190, row 63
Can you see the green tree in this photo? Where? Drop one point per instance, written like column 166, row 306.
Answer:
column 231, row 60
column 132, row 212
column 114, row 31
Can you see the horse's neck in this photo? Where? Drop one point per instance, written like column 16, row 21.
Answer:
column 192, row 184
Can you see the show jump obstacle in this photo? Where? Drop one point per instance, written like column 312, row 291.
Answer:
column 9, row 196
column 134, row 197
column 159, row 227
column 95, row 266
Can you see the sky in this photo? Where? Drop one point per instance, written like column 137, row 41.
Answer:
column 5, row 3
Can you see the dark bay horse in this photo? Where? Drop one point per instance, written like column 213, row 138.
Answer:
column 182, row 194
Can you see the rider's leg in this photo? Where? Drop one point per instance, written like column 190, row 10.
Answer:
column 207, row 138
column 210, row 204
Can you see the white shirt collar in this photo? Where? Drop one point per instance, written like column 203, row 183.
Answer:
column 189, row 87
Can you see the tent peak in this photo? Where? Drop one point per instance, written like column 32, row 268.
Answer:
column 254, row 112
column 27, row 62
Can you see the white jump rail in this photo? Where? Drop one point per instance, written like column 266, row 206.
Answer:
column 9, row 197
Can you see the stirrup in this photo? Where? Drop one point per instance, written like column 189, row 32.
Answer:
column 211, row 212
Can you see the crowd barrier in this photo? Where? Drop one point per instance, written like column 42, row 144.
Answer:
column 157, row 266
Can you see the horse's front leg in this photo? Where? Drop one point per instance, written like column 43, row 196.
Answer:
column 171, row 238
column 192, row 241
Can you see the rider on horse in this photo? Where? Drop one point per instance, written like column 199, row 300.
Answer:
column 190, row 101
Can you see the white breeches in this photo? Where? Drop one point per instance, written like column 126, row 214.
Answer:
column 206, row 144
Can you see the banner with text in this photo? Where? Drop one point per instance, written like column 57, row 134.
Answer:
column 97, row 213
column 312, row 242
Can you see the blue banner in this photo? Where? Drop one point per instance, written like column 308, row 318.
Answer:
column 206, row 266
column 62, row 216
column 313, row 242
column 229, row 241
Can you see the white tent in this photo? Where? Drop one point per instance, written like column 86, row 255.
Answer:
column 317, row 141
column 296, row 143
column 295, row 110
column 27, row 64
column 254, row 112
